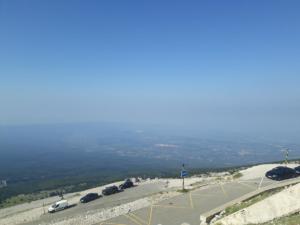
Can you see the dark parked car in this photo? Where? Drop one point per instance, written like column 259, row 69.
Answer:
column 281, row 173
column 127, row 184
column 89, row 197
column 297, row 169
column 110, row 190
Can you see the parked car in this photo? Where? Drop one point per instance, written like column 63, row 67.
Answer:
column 110, row 190
column 127, row 184
column 89, row 197
column 281, row 173
column 60, row 205
column 297, row 169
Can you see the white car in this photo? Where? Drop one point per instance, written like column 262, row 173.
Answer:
column 60, row 205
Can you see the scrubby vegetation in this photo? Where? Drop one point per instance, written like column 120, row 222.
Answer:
column 237, row 175
column 183, row 190
column 287, row 220
column 251, row 201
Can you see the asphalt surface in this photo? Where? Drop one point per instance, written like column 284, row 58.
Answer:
column 186, row 209
column 126, row 196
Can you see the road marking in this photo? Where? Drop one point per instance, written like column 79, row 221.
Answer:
column 191, row 201
column 138, row 218
column 132, row 219
column 223, row 190
column 171, row 206
column 150, row 215
column 259, row 186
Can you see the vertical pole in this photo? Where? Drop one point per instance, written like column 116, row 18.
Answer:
column 182, row 177
column 286, row 156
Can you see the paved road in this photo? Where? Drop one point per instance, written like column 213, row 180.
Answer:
column 128, row 195
column 186, row 209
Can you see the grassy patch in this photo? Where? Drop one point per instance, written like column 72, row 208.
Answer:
column 287, row 220
column 183, row 190
column 237, row 175
column 232, row 209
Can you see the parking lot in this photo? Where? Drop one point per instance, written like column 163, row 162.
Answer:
column 187, row 208
column 129, row 195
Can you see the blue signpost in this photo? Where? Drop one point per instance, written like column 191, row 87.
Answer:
column 183, row 174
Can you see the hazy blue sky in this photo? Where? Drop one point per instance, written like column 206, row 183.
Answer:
column 209, row 64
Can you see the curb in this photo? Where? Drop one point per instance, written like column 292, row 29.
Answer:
column 210, row 214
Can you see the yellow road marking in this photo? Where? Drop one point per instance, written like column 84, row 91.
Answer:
column 138, row 218
column 223, row 190
column 150, row 215
column 191, row 201
column 171, row 206
column 133, row 220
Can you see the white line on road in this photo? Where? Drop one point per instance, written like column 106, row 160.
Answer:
column 259, row 186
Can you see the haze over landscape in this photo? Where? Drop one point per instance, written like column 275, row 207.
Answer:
column 95, row 91
column 226, row 66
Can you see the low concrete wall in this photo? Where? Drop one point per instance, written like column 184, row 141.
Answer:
column 209, row 215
